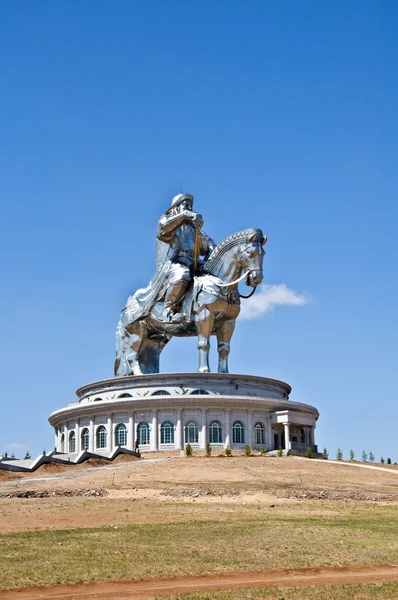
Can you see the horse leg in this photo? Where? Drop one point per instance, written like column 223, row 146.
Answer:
column 122, row 344
column 224, row 333
column 137, row 336
column 204, row 326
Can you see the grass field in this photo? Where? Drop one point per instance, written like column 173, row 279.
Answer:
column 138, row 532
column 360, row 535
column 376, row 591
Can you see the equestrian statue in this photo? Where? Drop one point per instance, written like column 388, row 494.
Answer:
column 194, row 291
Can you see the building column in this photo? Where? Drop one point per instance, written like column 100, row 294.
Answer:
column 269, row 440
column 227, row 427
column 287, row 436
column 77, row 436
column 154, row 431
column 311, row 435
column 130, row 433
column 249, row 437
column 91, row 440
column 203, row 435
column 66, row 438
column 109, row 434
column 178, row 443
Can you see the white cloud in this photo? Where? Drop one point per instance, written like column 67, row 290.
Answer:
column 267, row 297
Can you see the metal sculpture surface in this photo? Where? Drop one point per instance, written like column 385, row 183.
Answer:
column 188, row 296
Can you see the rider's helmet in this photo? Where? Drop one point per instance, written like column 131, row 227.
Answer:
column 177, row 200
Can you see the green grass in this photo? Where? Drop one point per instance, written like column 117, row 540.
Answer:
column 365, row 536
column 365, row 591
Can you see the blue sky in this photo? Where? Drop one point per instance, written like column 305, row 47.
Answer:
column 278, row 115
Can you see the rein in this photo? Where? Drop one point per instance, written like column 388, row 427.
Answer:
column 237, row 281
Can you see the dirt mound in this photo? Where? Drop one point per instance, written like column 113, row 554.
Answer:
column 345, row 496
column 52, row 494
column 7, row 475
column 124, row 458
column 51, row 468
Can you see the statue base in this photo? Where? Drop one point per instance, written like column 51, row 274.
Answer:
column 168, row 411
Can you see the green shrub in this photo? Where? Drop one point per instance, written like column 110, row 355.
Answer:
column 339, row 454
column 27, row 455
column 364, row 456
column 308, row 452
column 352, row 455
column 208, row 449
column 382, row 460
column 280, row 451
column 389, row 461
column 248, row 451
column 228, row 450
column 325, row 454
column 188, row 450
column 263, row 450
column 371, row 456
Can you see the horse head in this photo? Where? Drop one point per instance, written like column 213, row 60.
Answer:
column 252, row 255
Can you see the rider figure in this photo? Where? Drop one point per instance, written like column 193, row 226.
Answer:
column 177, row 228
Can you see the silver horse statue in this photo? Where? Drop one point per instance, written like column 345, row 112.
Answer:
column 210, row 307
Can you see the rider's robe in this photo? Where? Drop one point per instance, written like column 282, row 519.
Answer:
column 140, row 303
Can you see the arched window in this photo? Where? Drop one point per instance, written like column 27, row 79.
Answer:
column 72, row 442
column 191, row 432
column 199, row 393
column 125, row 396
column 215, row 436
column 101, row 437
column 121, row 435
column 238, row 433
column 63, row 442
column 259, row 437
column 167, row 432
column 143, row 433
column 161, row 393
column 97, row 399
column 85, row 439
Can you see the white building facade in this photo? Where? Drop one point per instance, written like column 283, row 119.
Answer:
column 164, row 412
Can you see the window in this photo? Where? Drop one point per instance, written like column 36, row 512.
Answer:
column 259, row 437
column 199, row 393
column 143, row 433
column 167, row 432
column 72, row 442
column 191, row 432
column 97, row 399
column 121, row 435
column 161, row 393
column 101, row 437
column 238, row 433
column 85, row 439
column 215, row 436
column 125, row 396
column 62, row 443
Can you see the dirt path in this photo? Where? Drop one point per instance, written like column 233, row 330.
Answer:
column 72, row 474
column 355, row 464
column 178, row 585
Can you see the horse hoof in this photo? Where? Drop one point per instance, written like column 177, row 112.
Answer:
column 204, row 370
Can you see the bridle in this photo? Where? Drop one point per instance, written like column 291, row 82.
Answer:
column 237, row 281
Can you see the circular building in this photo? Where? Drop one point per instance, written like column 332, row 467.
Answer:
column 163, row 412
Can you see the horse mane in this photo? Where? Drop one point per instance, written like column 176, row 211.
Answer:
column 229, row 242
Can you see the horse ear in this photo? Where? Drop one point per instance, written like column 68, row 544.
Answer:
column 252, row 238
column 264, row 240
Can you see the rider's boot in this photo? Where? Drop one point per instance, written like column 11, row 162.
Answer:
column 174, row 295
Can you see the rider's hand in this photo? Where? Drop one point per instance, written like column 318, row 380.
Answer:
column 197, row 220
